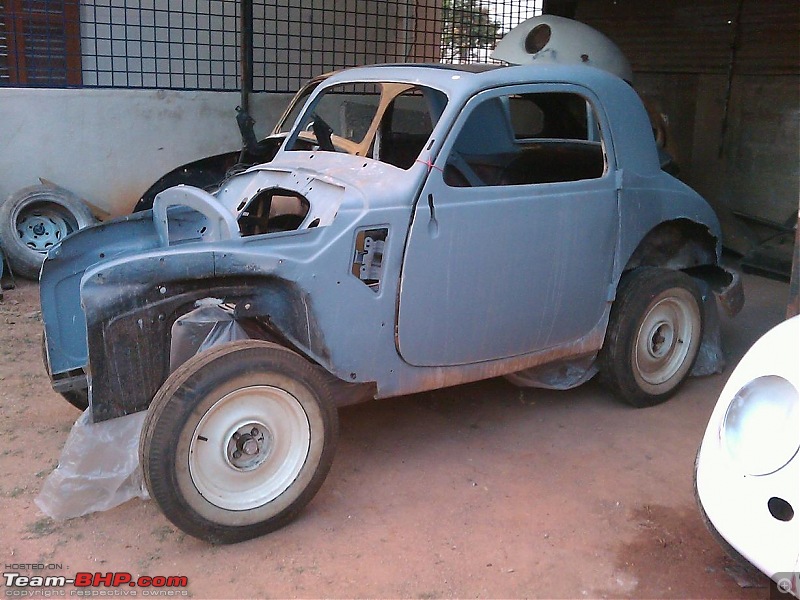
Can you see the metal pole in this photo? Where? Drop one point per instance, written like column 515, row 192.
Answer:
column 247, row 53
column 243, row 118
column 793, row 306
column 729, row 84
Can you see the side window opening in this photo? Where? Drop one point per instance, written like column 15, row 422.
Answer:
column 524, row 139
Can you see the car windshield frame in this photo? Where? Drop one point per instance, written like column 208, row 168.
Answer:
column 287, row 120
column 387, row 108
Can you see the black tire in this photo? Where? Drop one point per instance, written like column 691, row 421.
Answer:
column 653, row 336
column 238, row 440
column 78, row 398
column 36, row 218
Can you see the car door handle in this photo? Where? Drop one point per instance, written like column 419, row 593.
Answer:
column 433, row 224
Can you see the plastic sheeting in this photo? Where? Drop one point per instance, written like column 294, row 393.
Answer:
column 98, row 468
column 99, row 465
column 210, row 324
column 710, row 357
column 563, row 375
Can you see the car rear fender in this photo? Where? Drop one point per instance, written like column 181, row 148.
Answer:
column 691, row 247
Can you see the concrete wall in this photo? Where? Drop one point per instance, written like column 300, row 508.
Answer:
column 108, row 146
column 763, row 148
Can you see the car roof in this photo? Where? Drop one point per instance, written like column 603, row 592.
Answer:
column 628, row 121
column 469, row 78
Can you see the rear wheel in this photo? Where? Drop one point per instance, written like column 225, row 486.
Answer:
column 653, row 335
column 238, row 440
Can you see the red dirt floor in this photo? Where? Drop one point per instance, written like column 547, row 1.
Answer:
column 483, row 490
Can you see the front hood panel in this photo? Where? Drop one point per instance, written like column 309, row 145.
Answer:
column 328, row 180
column 62, row 271
column 333, row 184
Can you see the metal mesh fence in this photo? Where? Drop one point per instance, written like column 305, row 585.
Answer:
column 196, row 44
column 180, row 44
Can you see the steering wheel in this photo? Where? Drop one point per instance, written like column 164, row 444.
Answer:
column 323, row 132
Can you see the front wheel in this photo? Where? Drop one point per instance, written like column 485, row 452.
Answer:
column 653, row 335
column 238, row 440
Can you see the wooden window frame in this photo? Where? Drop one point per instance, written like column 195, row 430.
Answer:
column 62, row 16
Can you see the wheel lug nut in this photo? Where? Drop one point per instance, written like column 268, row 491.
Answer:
column 250, row 447
column 237, row 454
column 254, row 432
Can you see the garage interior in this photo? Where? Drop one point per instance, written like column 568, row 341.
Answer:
column 726, row 75
column 479, row 490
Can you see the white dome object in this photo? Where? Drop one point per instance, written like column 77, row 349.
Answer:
column 548, row 39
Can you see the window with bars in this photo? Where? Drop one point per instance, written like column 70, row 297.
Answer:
column 39, row 43
column 5, row 75
column 195, row 44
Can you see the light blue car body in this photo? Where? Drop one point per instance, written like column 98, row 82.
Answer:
column 472, row 282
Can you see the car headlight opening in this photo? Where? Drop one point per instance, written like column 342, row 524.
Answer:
column 761, row 428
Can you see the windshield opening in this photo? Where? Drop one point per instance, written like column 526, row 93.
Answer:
column 286, row 123
column 390, row 122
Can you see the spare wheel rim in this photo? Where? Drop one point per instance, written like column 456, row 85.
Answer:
column 40, row 228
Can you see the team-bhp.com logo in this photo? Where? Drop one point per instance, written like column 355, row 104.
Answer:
column 20, row 585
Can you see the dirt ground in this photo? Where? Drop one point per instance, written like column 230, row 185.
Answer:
column 483, row 490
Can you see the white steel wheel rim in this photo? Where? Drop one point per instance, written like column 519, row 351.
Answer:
column 665, row 338
column 235, row 468
column 40, row 228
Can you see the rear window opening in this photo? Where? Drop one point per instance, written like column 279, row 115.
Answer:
column 273, row 210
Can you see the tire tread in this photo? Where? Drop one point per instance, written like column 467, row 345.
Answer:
column 635, row 291
column 23, row 260
column 162, row 417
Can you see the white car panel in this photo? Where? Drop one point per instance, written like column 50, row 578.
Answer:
column 748, row 468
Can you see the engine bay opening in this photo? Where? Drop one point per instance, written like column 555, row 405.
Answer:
column 271, row 211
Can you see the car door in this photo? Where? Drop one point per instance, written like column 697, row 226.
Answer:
column 512, row 241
